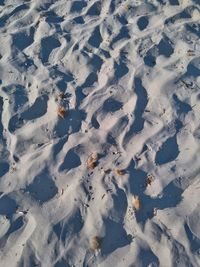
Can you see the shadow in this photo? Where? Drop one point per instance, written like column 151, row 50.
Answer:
column 94, row 122
column 64, row 77
column 62, row 85
column 119, row 127
column 195, row 1
column 1, row 125
column 90, row 80
column 149, row 60
column 58, row 146
column 67, row 37
column 115, row 234
column 194, row 241
column 30, row 259
column 146, row 258
column 95, row 9
column 71, row 161
column 68, row 227
column 21, row 40
column 62, row 263
column 95, row 62
column 95, row 39
column 142, row 23
column 170, row 197
column 123, row 34
column 71, row 124
column 16, row 122
column 182, row 15
column 111, row 140
column 54, row 20
column 193, row 28
column 115, row 237
column 37, row 110
column 165, row 47
column 16, row 159
column 105, row 53
column 168, row 152
column 4, row 168
column 52, row 17
column 178, row 125
column 162, row 2
column 43, row 187
column 20, row 95
column 7, row 206
column 112, row 6
column 77, row 6
column 22, row 62
column 48, row 44
column 112, row 105
column 122, row 19
column 18, row 98
column 142, row 100
column 44, row 6
column 120, row 69
column 180, row 106
column 79, row 20
column 192, row 70
column 174, row 2
column 137, row 179
column 16, row 225
column 19, row 8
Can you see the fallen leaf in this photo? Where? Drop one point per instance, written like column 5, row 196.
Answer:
column 95, row 156
column 95, row 243
column 119, row 172
column 137, row 202
column 61, row 112
column 91, row 165
column 92, row 161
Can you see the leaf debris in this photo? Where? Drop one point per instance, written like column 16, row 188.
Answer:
column 92, row 161
column 61, row 112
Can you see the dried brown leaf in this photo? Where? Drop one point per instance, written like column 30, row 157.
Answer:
column 92, row 161
column 95, row 243
column 137, row 202
column 61, row 112
column 91, row 165
column 119, row 172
